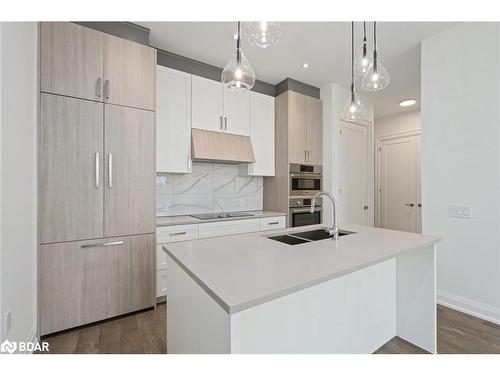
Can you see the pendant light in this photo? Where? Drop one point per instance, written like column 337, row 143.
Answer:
column 238, row 74
column 353, row 108
column 263, row 34
column 363, row 62
column 377, row 77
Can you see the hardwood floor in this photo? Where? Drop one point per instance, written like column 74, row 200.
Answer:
column 145, row 332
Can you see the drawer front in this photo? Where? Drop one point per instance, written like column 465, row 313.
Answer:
column 269, row 223
column 176, row 233
column 161, row 283
column 161, row 258
column 86, row 281
column 227, row 228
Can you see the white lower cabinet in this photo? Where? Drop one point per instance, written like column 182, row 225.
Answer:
column 177, row 233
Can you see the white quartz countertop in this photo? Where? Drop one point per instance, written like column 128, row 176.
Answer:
column 162, row 221
column 246, row 270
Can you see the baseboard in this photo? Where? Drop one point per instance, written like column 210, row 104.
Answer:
column 469, row 306
column 32, row 337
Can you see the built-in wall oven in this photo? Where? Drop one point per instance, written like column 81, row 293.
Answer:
column 299, row 213
column 305, row 180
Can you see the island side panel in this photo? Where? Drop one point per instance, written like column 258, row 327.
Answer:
column 355, row 313
column 416, row 297
column 195, row 322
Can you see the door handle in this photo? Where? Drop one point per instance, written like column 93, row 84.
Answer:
column 98, row 87
column 409, row 204
column 101, row 244
column 97, row 174
column 225, row 123
column 110, row 170
column 106, row 89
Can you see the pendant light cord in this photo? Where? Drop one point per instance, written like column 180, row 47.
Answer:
column 352, row 62
column 238, row 36
column 375, row 46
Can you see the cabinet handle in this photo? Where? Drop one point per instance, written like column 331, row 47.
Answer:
column 97, row 174
column 98, row 87
column 225, row 123
column 189, row 163
column 274, row 222
column 420, row 205
column 221, row 124
column 110, row 170
column 305, row 155
column 409, row 204
column 106, row 89
column 177, row 234
column 101, row 244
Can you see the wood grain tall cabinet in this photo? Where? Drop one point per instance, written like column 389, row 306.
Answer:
column 298, row 139
column 97, row 176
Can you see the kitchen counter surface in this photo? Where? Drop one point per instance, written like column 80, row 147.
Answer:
column 246, row 270
column 185, row 219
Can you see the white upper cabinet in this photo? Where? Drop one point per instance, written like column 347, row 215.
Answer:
column 262, row 136
column 173, row 121
column 216, row 108
column 206, row 104
column 236, row 111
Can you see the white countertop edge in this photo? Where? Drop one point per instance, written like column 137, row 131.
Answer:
column 292, row 289
column 163, row 221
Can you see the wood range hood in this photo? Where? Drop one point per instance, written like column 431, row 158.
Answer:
column 224, row 147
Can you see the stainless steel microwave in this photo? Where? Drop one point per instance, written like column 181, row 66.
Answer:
column 305, row 180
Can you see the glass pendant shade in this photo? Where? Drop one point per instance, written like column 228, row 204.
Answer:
column 353, row 109
column 362, row 64
column 376, row 78
column 238, row 74
column 263, row 34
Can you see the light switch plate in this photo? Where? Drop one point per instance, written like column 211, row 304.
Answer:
column 462, row 212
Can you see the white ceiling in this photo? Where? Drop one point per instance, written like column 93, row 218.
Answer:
column 325, row 46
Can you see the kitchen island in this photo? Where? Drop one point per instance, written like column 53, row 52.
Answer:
column 251, row 294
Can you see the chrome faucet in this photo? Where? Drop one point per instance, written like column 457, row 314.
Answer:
column 334, row 230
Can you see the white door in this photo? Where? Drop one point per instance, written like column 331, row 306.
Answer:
column 206, row 104
column 262, row 135
column 173, row 121
column 353, row 174
column 236, row 111
column 398, row 181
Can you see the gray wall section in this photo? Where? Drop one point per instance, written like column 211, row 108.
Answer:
column 294, row 85
column 125, row 30
column 139, row 34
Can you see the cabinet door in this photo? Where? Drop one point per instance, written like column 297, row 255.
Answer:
column 71, row 60
column 236, row 111
column 206, row 104
column 262, row 134
column 71, row 183
column 130, row 171
column 297, row 127
column 129, row 73
column 173, row 121
column 315, row 131
column 86, row 281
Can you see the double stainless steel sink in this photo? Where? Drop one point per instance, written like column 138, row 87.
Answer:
column 308, row 236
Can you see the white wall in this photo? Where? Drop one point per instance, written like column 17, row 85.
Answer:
column 398, row 123
column 18, row 168
column 461, row 163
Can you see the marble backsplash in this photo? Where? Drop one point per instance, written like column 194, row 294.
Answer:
column 211, row 187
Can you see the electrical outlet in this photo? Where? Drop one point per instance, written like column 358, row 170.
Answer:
column 8, row 322
column 462, row 212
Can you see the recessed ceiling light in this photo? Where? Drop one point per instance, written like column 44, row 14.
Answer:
column 407, row 103
column 305, row 66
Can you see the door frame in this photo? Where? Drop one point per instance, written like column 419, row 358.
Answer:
column 377, row 150
column 370, row 164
